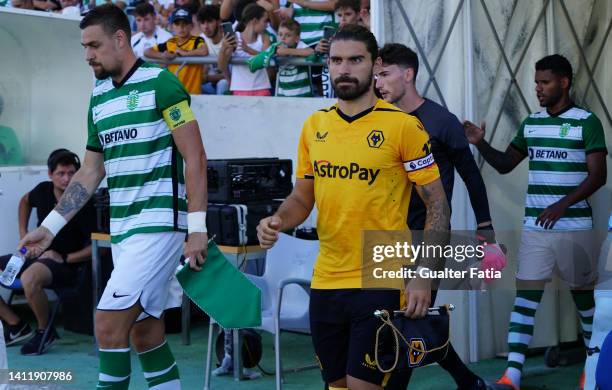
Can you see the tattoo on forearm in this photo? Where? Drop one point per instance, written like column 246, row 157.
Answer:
column 75, row 197
column 437, row 220
column 438, row 212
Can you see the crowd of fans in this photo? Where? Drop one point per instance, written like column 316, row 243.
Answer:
column 253, row 30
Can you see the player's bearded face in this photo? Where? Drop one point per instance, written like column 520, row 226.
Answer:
column 549, row 88
column 101, row 52
column 351, row 88
column 350, row 68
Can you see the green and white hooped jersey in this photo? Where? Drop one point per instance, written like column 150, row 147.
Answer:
column 312, row 23
column 557, row 147
column 143, row 166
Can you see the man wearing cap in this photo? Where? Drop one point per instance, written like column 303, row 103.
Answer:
column 183, row 44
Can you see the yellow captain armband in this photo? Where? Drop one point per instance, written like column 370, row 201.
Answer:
column 178, row 114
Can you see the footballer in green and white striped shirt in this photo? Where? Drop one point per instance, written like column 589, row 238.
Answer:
column 566, row 148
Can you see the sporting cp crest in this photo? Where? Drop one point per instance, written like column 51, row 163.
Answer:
column 132, row 100
column 564, row 130
column 175, row 114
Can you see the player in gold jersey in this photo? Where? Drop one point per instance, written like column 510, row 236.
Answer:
column 358, row 162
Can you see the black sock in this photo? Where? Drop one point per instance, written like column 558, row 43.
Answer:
column 459, row 371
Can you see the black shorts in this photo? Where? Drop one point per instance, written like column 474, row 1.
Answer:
column 63, row 275
column 343, row 329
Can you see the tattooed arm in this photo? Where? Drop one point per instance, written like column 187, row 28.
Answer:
column 82, row 185
column 76, row 195
column 436, row 233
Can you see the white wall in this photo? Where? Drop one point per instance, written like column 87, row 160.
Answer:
column 513, row 22
column 45, row 82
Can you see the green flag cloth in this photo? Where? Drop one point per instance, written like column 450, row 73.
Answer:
column 222, row 291
column 262, row 60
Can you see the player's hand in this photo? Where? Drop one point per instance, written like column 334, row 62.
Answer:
column 182, row 53
column 36, row 242
column 418, row 297
column 53, row 255
column 196, row 250
column 267, row 231
column 551, row 215
column 473, row 133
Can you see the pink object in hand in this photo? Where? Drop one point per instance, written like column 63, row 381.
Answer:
column 494, row 258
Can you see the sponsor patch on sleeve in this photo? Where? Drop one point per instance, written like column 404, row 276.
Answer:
column 419, row 163
column 178, row 114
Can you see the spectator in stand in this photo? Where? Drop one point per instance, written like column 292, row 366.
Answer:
column 192, row 6
column 248, row 40
column 47, row 5
column 149, row 34
column 364, row 14
column 23, row 4
column 56, row 267
column 231, row 10
column 347, row 12
column 293, row 80
column 313, row 16
column 183, row 44
column 70, row 7
column 214, row 82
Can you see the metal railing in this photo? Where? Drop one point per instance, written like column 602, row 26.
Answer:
column 207, row 60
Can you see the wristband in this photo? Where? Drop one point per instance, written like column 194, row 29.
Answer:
column 54, row 222
column 196, row 222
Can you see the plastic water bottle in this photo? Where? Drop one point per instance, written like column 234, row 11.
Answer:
column 13, row 267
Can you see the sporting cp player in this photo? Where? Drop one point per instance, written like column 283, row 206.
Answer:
column 358, row 161
column 396, row 72
column 567, row 150
column 140, row 130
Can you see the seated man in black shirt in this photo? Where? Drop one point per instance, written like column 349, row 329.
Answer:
column 57, row 267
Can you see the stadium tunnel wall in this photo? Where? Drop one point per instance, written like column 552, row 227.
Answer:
column 473, row 80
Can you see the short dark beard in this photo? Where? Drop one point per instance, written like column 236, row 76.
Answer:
column 552, row 101
column 354, row 92
column 106, row 74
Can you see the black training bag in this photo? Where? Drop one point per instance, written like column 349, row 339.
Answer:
column 403, row 343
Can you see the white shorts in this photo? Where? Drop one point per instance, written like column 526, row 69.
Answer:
column 144, row 268
column 572, row 253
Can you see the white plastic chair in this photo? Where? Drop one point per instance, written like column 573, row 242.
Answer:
column 285, row 294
